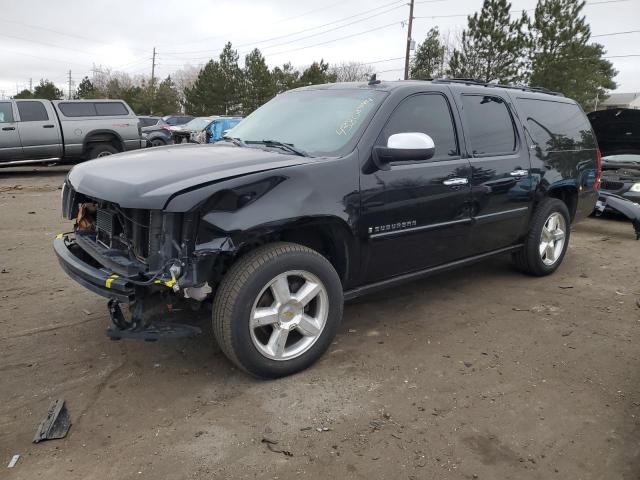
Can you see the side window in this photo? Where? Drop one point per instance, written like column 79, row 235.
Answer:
column 77, row 109
column 32, row 111
column 111, row 108
column 425, row 113
column 557, row 125
column 6, row 112
column 488, row 124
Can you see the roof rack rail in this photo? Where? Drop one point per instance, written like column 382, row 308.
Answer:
column 472, row 81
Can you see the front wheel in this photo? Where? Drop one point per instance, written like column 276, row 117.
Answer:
column 277, row 309
column 546, row 243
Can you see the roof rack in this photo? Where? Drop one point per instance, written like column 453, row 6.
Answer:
column 472, row 81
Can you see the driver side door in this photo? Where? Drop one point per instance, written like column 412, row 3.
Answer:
column 417, row 214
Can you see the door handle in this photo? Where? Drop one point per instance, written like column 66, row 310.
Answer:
column 47, row 126
column 451, row 182
column 519, row 173
column 6, row 129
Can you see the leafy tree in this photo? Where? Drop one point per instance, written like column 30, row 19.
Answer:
column 47, row 90
column 562, row 58
column 317, row 73
column 285, row 78
column 352, row 72
column 166, row 99
column 430, row 57
column 259, row 86
column 26, row 93
column 493, row 46
column 86, row 89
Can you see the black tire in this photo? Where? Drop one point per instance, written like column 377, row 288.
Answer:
column 529, row 260
column 157, row 142
column 239, row 290
column 102, row 150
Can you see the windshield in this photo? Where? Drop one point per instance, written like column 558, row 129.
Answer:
column 197, row 123
column 320, row 122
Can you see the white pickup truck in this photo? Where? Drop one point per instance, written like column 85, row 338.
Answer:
column 37, row 131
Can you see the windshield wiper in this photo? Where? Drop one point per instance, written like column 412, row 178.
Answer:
column 237, row 141
column 285, row 146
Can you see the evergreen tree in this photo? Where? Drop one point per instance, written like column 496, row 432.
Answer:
column 493, row 46
column 562, row 58
column 317, row 73
column 230, row 83
column 47, row 90
column 197, row 97
column 86, row 90
column 430, row 56
column 285, row 78
column 259, row 86
column 26, row 93
column 167, row 98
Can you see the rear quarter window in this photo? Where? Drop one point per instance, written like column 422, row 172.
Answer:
column 80, row 109
column 557, row 126
column 111, row 108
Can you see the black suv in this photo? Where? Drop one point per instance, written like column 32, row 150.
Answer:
column 324, row 194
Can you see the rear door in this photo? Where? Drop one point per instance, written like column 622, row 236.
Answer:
column 501, row 183
column 10, row 145
column 39, row 130
column 417, row 214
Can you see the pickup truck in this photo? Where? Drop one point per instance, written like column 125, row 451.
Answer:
column 37, row 131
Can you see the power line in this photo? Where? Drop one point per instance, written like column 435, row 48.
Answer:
column 274, row 23
column 279, row 37
column 616, row 33
column 66, row 34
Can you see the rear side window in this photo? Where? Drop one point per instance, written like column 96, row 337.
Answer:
column 426, row 113
column 32, row 111
column 147, row 122
column 489, row 125
column 80, row 109
column 111, row 108
column 557, row 126
column 6, row 112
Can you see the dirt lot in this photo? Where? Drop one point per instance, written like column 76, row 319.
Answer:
column 479, row 373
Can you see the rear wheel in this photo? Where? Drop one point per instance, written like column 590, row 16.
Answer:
column 102, row 150
column 158, row 142
column 546, row 243
column 277, row 309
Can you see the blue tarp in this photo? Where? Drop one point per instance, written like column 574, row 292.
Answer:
column 221, row 125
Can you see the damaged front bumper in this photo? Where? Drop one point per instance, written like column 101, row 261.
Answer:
column 76, row 263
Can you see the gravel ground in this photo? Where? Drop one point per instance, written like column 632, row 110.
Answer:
column 477, row 373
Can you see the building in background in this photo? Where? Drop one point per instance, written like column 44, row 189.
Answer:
column 620, row 100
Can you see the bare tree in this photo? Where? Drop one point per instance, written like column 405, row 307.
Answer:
column 352, row 71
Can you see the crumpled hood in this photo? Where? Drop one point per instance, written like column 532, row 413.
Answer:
column 148, row 178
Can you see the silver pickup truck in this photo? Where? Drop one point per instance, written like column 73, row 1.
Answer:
column 34, row 131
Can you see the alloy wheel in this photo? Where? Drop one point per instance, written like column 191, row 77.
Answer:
column 289, row 315
column 552, row 238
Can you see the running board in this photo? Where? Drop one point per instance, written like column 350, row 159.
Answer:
column 409, row 277
column 15, row 163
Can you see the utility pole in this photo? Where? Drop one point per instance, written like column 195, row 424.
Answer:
column 406, row 59
column 69, row 97
column 153, row 74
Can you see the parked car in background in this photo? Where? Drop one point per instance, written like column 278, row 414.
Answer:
column 177, row 120
column 218, row 128
column 186, row 133
column 156, row 131
column 35, row 131
column 618, row 134
column 327, row 193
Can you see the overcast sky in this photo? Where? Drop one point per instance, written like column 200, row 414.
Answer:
column 46, row 39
